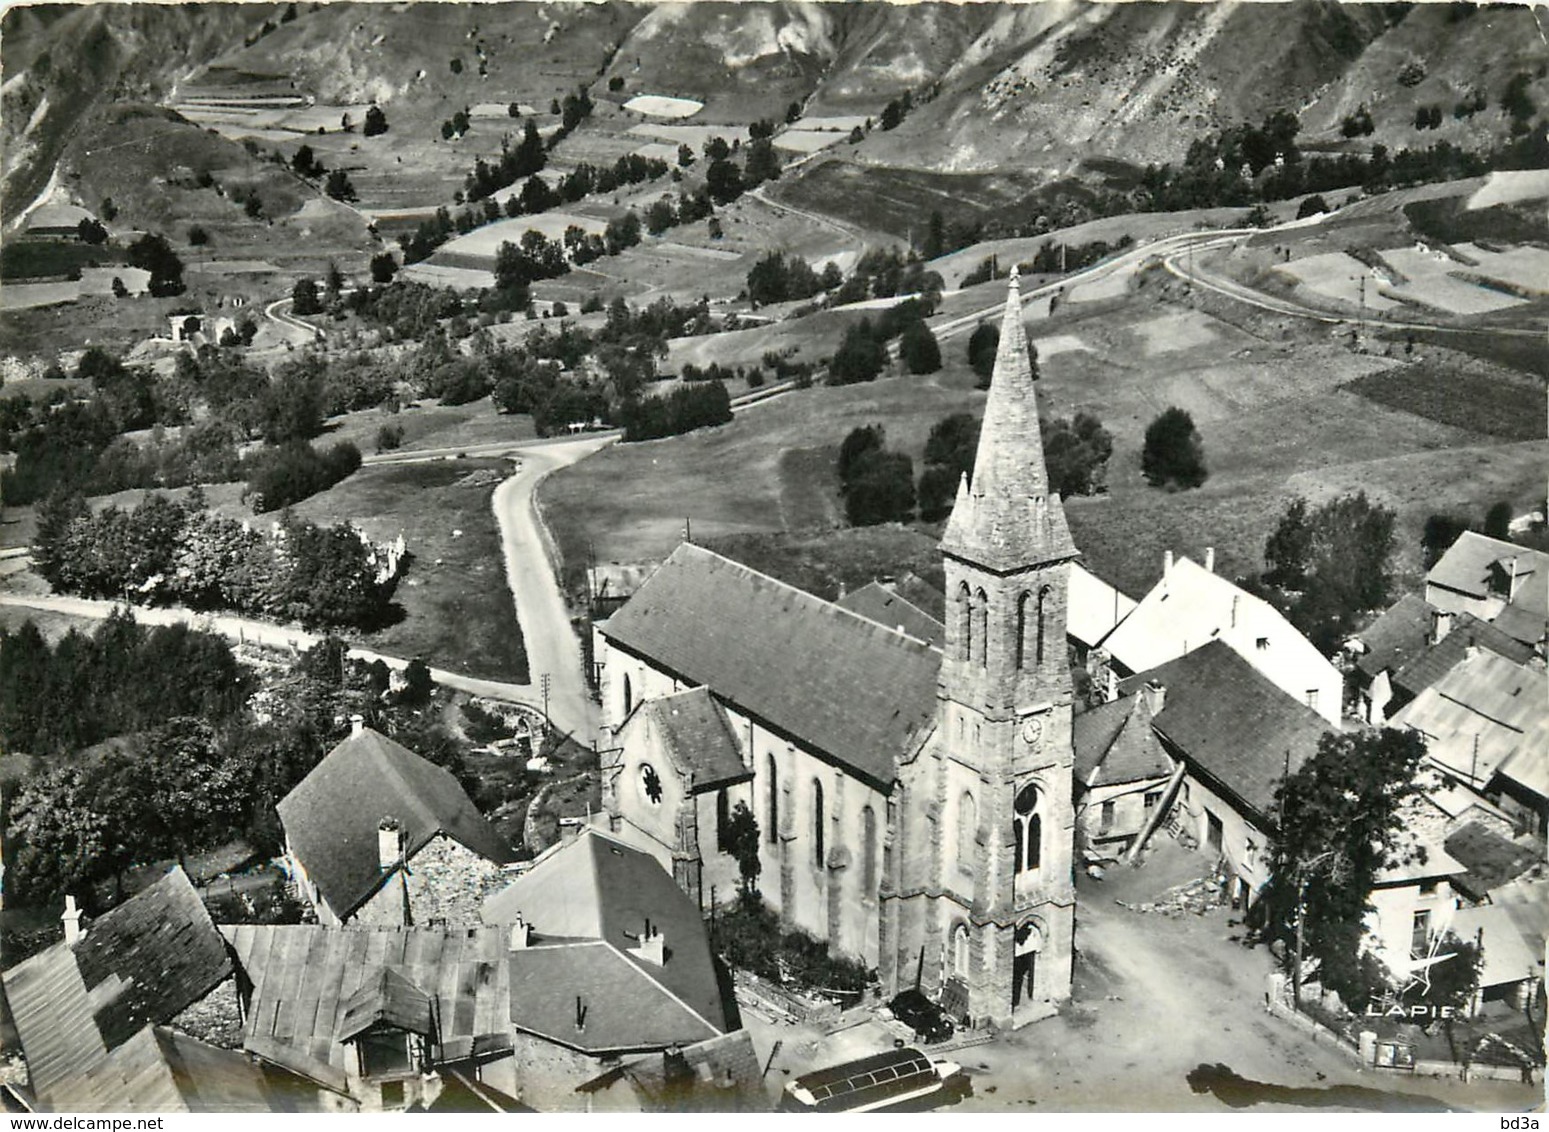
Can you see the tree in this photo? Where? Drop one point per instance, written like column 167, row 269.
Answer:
column 1289, row 547
column 305, row 162
column 1330, row 564
column 982, row 346
column 376, row 121
column 383, row 267
column 879, row 489
column 1076, row 454
column 739, row 837
column 304, row 297
column 723, row 180
column 1440, row 532
column 152, row 253
column 1311, row 206
column 197, row 236
column 89, row 231
column 917, row 348
column 860, row 357
column 1339, row 817
column 762, row 163
column 417, row 683
column 1497, row 521
column 1173, row 452
column 338, row 186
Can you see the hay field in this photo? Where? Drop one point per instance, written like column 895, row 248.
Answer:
column 1336, row 275
column 1432, row 280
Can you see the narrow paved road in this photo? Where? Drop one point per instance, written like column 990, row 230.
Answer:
column 552, row 647
column 295, row 329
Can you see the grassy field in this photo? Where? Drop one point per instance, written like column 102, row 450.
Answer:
column 458, row 612
column 1273, row 400
column 41, row 259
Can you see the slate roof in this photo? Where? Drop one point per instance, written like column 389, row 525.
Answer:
column 1490, row 859
column 876, row 602
column 1435, row 661
column 1480, row 714
column 1400, row 634
column 75, row 1006
column 332, row 816
column 854, row 692
column 597, row 890
column 721, row 1074
column 1467, row 566
column 1119, row 745
column 305, row 977
column 695, row 731
column 1232, row 724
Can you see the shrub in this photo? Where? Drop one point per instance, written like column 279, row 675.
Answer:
column 281, row 476
column 1173, row 452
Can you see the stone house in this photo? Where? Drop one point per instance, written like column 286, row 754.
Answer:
column 1123, row 774
column 1496, row 581
column 376, row 835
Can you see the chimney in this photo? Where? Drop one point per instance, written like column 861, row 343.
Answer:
column 1234, row 610
column 1210, row 559
column 389, row 843
column 1441, row 625
column 1167, row 563
column 1471, row 652
column 357, row 725
column 71, row 920
column 521, row 934
column 1511, row 581
column 653, row 946
column 1156, row 696
column 569, row 830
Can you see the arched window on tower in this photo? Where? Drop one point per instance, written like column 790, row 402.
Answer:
column 1023, row 602
column 965, row 622
column 629, row 696
column 967, row 826
column 958, row 952
column 1028, row 825
column 1043, row 612
column 817, row 823
column 772, row 830
column 981, row 627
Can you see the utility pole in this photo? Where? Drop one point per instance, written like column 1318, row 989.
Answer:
column 544, row 682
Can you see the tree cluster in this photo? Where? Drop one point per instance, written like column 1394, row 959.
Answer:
column 700, row 405
column 878, row 485
column 778, row 278
column 285, row 474
column 152, row 253
column 1325, row 566
column 166, row 552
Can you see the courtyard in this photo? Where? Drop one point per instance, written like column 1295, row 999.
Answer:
column 1167, row 1015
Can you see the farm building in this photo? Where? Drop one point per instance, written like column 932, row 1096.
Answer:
column 57, row 221
column 1499, row 582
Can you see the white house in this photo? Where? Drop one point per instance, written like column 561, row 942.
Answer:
column 1191, row 606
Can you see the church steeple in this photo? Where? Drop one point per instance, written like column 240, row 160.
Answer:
column 1006, row 518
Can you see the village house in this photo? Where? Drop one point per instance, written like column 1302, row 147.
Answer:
column 1496, row 581
column 1123, row 774
column 376, row 835
column 56, row 221
column 99, row 1014
column 1190, row 607
column 1237, row 737
column 1413, row 902
column 914, row 802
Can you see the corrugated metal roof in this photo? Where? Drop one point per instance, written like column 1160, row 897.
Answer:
column 853, row 691
column 388, row 998
column 1479, row 714
column 332, row 816
column 305, row 975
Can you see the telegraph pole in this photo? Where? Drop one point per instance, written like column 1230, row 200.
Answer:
column 544, row 682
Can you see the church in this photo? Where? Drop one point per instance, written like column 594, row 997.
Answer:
column 913, row 796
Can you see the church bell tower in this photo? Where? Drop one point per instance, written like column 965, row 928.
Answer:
column 979, row 904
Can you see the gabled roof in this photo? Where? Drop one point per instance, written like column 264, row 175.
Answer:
column 1005, row 518
column 1191, row 606
column 1529, row 769
column 306, row 976
column 332, row 816
column 161, row 1070
column 1232, row 725
column 1435, row 661
column 596, row 889
column 143, row 963
column 386, row 998
column 1400, row 634
column 1513, row 950
column 1115, row 744
column 57, row 216
column 854, row 692
column 694, row 729
column 876, row 602
column 1095, row 608
column 1479, row 714
column 721, row 1074
column 1490, row 859
column 1469, row 563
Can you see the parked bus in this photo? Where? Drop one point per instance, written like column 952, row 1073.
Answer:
column 883, row 1080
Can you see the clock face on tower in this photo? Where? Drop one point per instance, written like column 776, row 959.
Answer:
column 1032, row 731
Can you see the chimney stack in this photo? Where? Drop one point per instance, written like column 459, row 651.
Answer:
column 389, row 843
column 521, row 934
column 1167, row 563
column 653, row 946
column 1156, row 696
column 1441, row 625
column 71, row 920
column 1210, row 559
column 357, row 725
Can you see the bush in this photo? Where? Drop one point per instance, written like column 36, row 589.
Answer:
column 750, row 937
column 1311, row 206
column 703, row 404
column 879, row 489
column 982, row 346
column 918, row 348
column 197, row 236
column 389, row 437
column 279, row 477
column 1173, row 452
